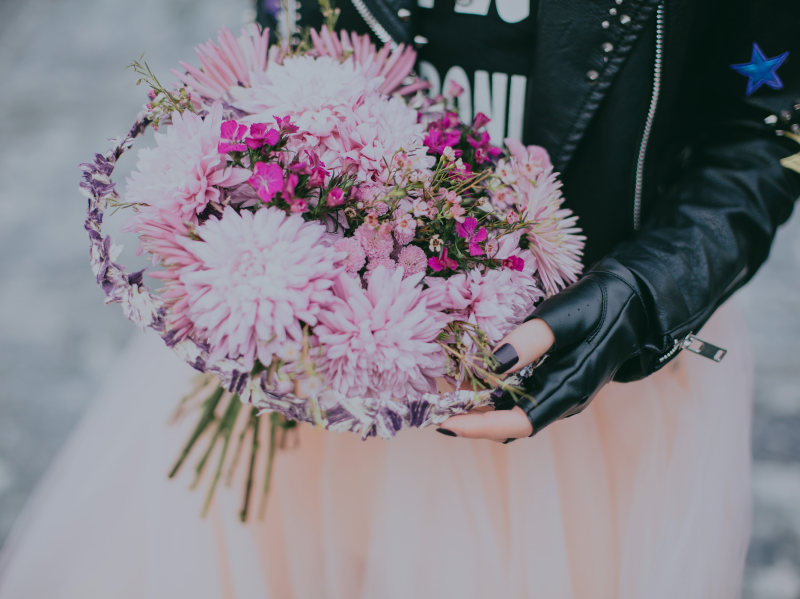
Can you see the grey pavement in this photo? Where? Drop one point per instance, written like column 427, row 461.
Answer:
column 64, row 89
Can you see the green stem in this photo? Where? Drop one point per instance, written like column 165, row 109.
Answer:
column 207, row 417
column 254, row 424
column 273, row 429
column 221, row 429
column 225, row 430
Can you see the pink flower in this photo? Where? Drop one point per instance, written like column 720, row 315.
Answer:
column 355, row 257
column 231, row 62
column 376, row 244
column 381, row 341
column 466, row 230
column 298, row 206
column 335, row 197
column 385, row 262
column 412, row 260
column 267, row 180
column 256, row 278
column 318, row 171
column 176, row 180
column 261, row 136
column 405, row 228
column 442, row 262
column 456, row 212
column 231, row 134
column 481, row 120
column 496, row 301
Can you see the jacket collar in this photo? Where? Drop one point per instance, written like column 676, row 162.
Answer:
column 580, row 47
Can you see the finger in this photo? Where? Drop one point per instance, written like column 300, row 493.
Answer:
column 524, row 345
column 497, row 426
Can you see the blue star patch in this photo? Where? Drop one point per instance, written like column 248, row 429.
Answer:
column 761, row 70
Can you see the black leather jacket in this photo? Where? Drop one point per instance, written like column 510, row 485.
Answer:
column 674, row 172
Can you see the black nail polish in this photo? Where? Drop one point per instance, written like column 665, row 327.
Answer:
column 446, row 431
column 507, row 441
column 501, row 400
column 506, row 357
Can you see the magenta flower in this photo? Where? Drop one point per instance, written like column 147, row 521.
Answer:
column 335, row 197
column 285, row 125
column 481, row 120
column 514, row 263
column 267, row 180
column 484, row 151
column 442, row 262
column 318, row 170
column 231, row 137
column 261, row 136
column 466, row 230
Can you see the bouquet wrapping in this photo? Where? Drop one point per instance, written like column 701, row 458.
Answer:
column 331, row 243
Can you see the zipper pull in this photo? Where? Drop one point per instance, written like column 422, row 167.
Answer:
column 703, row 348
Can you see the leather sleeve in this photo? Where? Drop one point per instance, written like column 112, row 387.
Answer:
column 711, row 230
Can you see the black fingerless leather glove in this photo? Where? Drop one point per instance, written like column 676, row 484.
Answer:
column 597, row 325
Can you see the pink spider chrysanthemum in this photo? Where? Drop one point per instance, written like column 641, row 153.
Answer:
column 230, row 62
column 496, row 300
column 177, row 179
column 381, row 341
column 392, row 65
column 256, row 278
column 554, row 239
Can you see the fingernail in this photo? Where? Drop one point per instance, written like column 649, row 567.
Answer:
column 501, row 400
column 507, row 441
column 446, row 431
column 506, row 357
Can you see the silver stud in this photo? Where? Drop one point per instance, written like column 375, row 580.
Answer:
column 404, row 14
column 605, row 24
column 612, row 11
column 624, row 19
column 592, row 75
column 795, row 128
column 420, row 40
column 619, row 2
column 607, row 47
column 463, row 2
column 771, row 119
column 786, row 115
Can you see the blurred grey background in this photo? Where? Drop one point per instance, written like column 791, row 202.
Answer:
column 65, row 90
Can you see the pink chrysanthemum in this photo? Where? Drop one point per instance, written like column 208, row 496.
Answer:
column 177, row 179
column 376, row 242
column 496, row 301
column 381, row 341
column 355, row 256
column 412, row 259
column 256, row 278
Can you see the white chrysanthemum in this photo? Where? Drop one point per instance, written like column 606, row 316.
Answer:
column 381, row 128
column 317, row 93
column 257, row 278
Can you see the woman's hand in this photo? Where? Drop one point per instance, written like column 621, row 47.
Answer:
column 524, row 345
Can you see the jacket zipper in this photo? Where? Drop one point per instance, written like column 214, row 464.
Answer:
column 651, row 115
column 369, row 18
column 694, row 344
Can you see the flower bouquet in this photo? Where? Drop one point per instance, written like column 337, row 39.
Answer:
column 332, row 245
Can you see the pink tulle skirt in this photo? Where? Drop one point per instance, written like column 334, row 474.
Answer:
column 644, row 494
